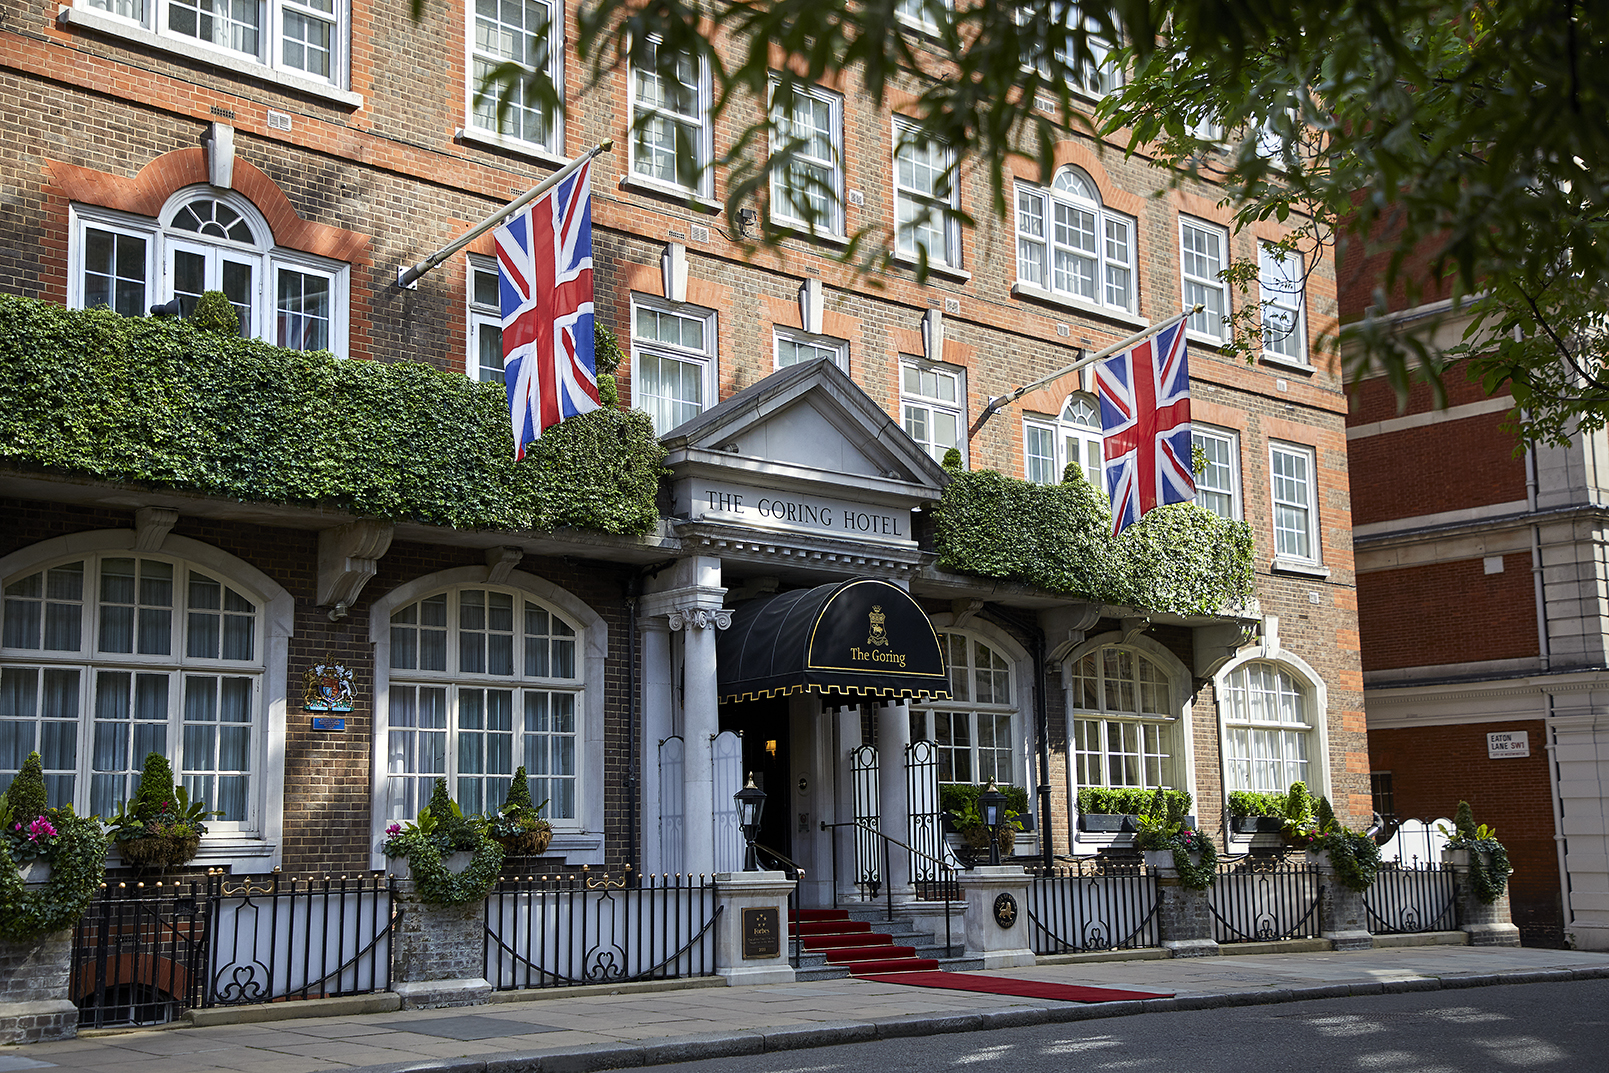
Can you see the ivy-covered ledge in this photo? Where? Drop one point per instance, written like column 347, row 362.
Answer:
column 1179, row 560
column 162, row 404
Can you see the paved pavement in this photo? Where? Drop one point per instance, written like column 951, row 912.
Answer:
column 581, row 1030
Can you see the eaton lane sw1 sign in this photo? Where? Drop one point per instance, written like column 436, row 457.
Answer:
column 1507, row 743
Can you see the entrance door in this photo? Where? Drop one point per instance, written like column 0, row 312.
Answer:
column 764, row 726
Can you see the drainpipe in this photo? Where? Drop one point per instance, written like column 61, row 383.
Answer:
column 633, row 775
column 1539, row 589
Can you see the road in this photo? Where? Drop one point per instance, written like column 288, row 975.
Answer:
column 1532, row 1027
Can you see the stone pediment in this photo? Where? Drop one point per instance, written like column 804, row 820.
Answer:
column 808, row 428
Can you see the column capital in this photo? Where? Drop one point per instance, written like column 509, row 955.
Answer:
column 700, row 618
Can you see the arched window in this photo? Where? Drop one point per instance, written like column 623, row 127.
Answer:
column 1268, row 728
column 1074, row 437
column 484, row 679
column 208, row 240
column 107, row 657
column 1125, row 723
column 1070, row 244
column 975, row 729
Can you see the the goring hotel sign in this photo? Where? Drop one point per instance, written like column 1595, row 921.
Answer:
column 789, row 511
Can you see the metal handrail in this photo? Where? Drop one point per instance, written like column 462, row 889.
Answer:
column 887, row 841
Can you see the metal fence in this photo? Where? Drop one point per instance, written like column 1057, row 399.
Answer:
column 1255, row 900
column 560, row 931
column 144, row 953
column 1093, row 905
column 1411, row 898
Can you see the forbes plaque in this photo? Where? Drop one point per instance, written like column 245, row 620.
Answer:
column 762, row 933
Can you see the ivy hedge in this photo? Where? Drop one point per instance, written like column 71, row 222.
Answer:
column 163, row 403
column 1179, row 559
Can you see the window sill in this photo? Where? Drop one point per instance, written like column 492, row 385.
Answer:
column 680, row 194
column 85, row 19
column 1293, row 364
column 1281, row 565
column 485, row 139
column 1031, row 293
column 798, row 232
column 934, row 268
column 1213, row 341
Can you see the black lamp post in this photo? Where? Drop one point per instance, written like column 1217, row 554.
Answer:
column 992, row 803
column 750, row 804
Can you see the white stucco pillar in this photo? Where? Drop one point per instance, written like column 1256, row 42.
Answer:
column 700, row 706
column 658, row 723
column 893, row 735
column 847, row 741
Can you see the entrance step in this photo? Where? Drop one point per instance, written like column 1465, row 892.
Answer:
column 835, row 945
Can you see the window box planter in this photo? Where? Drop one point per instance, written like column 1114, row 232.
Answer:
column 1256, row 825
column 159, row 851
column 1108, row 822
column 529, row 844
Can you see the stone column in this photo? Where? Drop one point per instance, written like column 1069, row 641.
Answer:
column 657, row 725
column 1342, row 918
column 996, row 899
column 1486, row 923
column 1184, row 916
column 34, row 1002
column 439, row 951
column 893, row 806
column 751, row 934
column 701, row 708
column 843, row 838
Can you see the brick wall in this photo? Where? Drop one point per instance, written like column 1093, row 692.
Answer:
column 1451, row 465
column 1452, row 612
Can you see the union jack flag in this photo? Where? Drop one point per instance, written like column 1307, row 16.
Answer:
column 544, row 268
column 1145, row 423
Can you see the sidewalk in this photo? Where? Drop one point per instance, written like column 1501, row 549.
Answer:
column 580, row 1030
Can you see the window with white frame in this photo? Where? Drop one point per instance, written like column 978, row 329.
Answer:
column 973, row 730
column 1069, row 243
column 933, row 405
column 106, row 658
column 518, row 32
column 485, row 359
column 1049, row 445
column 1291, row 470
column 307, row 38
column 482, row 681
column 1096, row 78
column 671, row 138
column 1267, row 728
column 1124, row 721
column 204, row 241
column 1204, row 250
column 923, row 13
column 796, row 348
column 1218, row 483
column 809, row 190
column 673, row 361
column 1280, row 283
column 926, row 199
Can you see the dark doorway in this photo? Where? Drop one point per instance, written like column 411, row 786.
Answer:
column 764, row 726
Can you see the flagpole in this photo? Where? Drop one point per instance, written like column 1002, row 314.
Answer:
column 408, row 277
column 999, row 402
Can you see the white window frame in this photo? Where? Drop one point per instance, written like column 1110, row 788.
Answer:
column 1170, row 727
column 824, row 345
column 915, row 14
column 928, row 718
column 705, row 359
column 1282, row 292
column 914, row 402
column 1041, row 244
column 940, row 204
column 1228, row 469
column 163, row 240
column 147, row 22
column 1095, row 82
column 250, row 845
column 479, row 316
column 1197, row 285
column 640, row 168
column 578, row 840
column 1062, row 428
column 475, row 118
column 828, row 221
column 1234, row 722
column 1301, row 509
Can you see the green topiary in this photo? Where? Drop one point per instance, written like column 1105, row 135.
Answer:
column 1073, row 473
column 1464, row 821
column 156, row 788
column 26, row 794
column 606, row 358
column 519, row 792
column 1326, row 816
column 214, row 312
column 952, row 459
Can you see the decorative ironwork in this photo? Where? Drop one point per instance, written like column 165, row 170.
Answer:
column 1095, row 904
column 1257, row 899
column 1411, row 898
column 864, row 778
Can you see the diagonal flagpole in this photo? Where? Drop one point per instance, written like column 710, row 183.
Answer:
column 1000, row 402
column 408, row 277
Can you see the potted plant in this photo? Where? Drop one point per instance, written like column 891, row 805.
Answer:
column 52, row 861
column 960, row 804
column 1118, row 809
column 160, row 827
column 1252, row 813
column 449, row 856
column 1168, row 838
column 1354, row 855
column 1489, row 866
column 518, row 825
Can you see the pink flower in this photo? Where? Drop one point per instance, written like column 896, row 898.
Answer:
column 394, row 829
column 40, row 828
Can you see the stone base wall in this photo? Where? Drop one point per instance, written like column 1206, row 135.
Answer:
column 34, row 1006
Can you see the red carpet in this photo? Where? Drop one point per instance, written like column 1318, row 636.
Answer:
column 1002, row 985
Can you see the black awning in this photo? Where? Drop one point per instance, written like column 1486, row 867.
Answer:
column 862, row 637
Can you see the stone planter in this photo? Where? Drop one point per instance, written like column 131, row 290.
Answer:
column 1184, row 916
column 438, row 951
column 1342, row 916
column 1256, row 825
column 34, row 1006
column 1486, row 923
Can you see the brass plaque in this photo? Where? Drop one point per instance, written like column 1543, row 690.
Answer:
column 762, row 933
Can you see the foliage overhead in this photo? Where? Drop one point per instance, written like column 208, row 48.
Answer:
column 1179, row 559
column 159, row 402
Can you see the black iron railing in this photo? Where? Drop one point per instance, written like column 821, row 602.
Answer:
column 585, row 928
column 1411, row 898
column 932, row 879
column 1257, row 899
column 140, row 954
column 1093, row 905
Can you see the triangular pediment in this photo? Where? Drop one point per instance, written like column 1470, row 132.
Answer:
column 809, row 422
